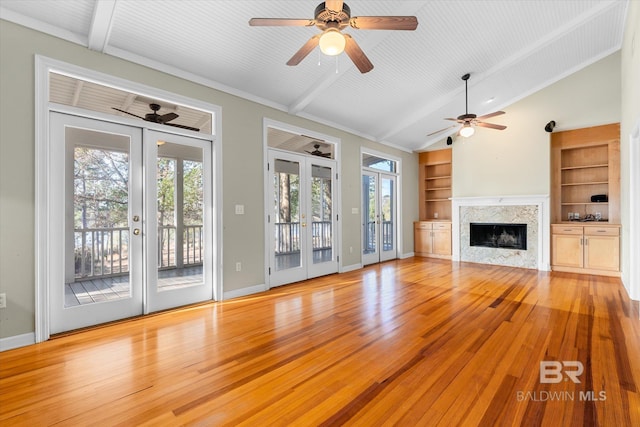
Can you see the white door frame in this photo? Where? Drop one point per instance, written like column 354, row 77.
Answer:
column 634, row 212
column 398, row 202
column 156, row 300
column 43, row 67
column 337, row 199
column 61, row 227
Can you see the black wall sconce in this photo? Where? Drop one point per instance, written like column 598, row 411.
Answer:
column 549, row 127
column 449, row 140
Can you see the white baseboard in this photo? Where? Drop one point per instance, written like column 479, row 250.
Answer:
column 407, row 255
column 17, row 341
column 245, row 291
column 352, row 267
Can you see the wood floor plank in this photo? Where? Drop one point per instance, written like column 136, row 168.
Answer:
column 407, row 342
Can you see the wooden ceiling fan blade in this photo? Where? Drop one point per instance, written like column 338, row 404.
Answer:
column 281, row 22
column 357, row 55
column 441, row 130
column 334, row 5
column 490, row 126
column 488, row 116
column 384, row 22
column 305, row 50
column 181, row 126
column 454, row 120
column 168, row 117
column 126, row 112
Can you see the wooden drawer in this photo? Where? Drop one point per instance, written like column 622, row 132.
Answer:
column 422, row 225
column 566, row 229
column 442, row 226
column 602, row 231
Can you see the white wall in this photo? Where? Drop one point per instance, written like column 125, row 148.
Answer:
column 516, row 161
column 630, row 76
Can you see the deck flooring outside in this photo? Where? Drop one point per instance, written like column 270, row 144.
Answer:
column 114, row 288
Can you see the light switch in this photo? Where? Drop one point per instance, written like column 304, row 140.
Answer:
column 239, row 209
column 354, row 211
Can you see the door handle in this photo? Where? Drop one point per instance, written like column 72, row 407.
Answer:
column 136, row 231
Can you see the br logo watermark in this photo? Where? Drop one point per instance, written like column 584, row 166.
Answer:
column 553, row 372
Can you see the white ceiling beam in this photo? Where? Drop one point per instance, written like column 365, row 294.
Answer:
column 101, row 24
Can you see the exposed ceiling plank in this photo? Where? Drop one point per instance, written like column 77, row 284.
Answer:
column 77, row 92
column 101, row 24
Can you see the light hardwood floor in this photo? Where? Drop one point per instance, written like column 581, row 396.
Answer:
column 409, row 342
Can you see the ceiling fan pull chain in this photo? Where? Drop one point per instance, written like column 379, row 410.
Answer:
column 337, row 70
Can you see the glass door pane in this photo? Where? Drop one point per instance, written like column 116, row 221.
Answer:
column 370, row 218
column 100, row 220
column 286, row 214
column 387, row 217
column 180, row 196
column 321, row 214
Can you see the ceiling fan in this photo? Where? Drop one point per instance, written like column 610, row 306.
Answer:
column 317, row 151
column 468, row 120
column 157, row 118
column 331, row 17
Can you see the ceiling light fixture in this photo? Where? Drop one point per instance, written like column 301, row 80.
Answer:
column 332, row 42
column 467, row 130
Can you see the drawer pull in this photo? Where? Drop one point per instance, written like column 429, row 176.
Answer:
column 567, row 229
column 602, row 231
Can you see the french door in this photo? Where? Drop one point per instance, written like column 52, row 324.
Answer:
column 301, row 220
column 379, row 225
column 129, row 225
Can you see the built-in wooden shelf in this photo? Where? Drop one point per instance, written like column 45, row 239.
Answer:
column 435, row 185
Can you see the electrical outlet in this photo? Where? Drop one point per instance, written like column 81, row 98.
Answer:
column 3, row 300
column 238, row 266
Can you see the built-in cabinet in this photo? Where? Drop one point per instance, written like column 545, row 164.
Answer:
column 432, row 239
column 590, row 248
column 432, row 234
column 585, row 200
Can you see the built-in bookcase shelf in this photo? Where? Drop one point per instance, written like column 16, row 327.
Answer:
column 435, row 185
column 585, row 163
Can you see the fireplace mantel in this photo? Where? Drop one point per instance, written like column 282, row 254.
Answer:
column 544, row 224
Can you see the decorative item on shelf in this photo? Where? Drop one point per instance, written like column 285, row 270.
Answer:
column 599, row 198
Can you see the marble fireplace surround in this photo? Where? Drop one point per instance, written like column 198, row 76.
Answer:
column 533, row 209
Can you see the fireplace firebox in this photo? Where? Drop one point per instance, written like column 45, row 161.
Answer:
column 496, row 235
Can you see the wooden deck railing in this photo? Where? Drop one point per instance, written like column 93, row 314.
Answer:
column 104, row 252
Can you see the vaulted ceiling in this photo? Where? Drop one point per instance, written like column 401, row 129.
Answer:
column 511, row 48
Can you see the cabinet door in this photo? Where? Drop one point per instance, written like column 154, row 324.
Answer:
column 602, row 252
column 422, row 239
column 567, row 250
column 442, row 241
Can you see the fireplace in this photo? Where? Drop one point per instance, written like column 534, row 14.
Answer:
column 498, row 235
column 531, row 210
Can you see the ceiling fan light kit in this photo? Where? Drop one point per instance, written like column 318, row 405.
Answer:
column 332, row 42
column 469, row 120
column 332, row 17
column 467, row 130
